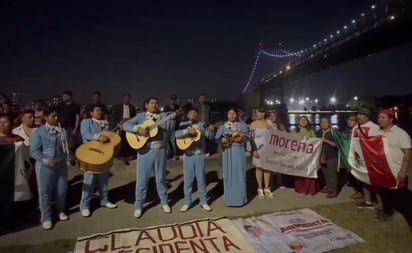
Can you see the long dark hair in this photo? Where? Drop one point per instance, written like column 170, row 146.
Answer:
column 298, row 126
column 278, row 122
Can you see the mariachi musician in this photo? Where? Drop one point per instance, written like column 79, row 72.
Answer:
column 120, row 114
column 232, row 136
column 152, row 156
column 194, row 158
column 90, row 130
column 48, row 146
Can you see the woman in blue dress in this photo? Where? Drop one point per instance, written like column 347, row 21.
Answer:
column 233, row 158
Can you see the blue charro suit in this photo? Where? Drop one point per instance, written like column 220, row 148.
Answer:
column 194, row 161
column 45, row 144
column 152, row 156
column 90, row 130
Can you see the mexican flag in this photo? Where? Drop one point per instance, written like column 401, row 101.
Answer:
column 369, row 159
column 343, row 143
column 15, row 169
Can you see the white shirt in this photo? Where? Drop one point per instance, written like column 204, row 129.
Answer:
column 126, row 112
column 369, row 129
column 20, row 132
column 397, row 140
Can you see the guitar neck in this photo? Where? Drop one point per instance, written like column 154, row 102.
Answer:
column 162, row 120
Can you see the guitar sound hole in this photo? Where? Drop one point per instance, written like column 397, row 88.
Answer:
column 96, row 150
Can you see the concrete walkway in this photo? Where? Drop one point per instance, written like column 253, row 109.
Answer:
column 122, row 185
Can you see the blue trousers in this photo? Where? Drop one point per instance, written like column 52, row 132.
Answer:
column 194, row 166
column 50, row 181
column 89, row 184
column 146, row 161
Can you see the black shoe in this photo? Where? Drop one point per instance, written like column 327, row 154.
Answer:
column 381, row 216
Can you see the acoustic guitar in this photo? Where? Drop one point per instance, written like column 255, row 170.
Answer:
column 137, row 141
column 185, row 143
column 97, row 157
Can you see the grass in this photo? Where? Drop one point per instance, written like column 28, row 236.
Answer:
column 391, row 237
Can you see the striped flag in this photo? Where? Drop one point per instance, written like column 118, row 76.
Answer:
column 369, row 159
column 343, row 143
column 372, row 163
column 15, row 169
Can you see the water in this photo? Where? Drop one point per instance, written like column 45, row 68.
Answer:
column 338, row 120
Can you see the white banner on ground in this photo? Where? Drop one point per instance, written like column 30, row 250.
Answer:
column 211, row 235
column 302, row 231
column 290, row 154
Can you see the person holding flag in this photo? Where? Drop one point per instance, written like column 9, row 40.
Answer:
column 366, row 128
column 399, row 143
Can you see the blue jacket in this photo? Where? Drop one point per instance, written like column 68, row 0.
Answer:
column 165, row 129
column 90, row 130
column 43, row 145
column 199, row 147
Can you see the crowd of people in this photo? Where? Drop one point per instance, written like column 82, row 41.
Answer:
column 53, row 133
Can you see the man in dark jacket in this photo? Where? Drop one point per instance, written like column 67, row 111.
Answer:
column 120, row 114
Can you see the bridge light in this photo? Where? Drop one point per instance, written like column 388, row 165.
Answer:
column 287, row 67
column 331, row 36
column 333, row 100
column 301, row 102
column 345, row 27
column 373, row 7
column 316, row 100
column 355, row 98
column 325, row 40
column 307, row 98
column 291, row 100
column 363, row 14
column 353, row 21
column 280, row 72
column 314, row 45
column 392, row 17
column 337, row 32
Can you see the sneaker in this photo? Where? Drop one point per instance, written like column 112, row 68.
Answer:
column 63, row 216
column 207, row 154
column 332, row 194
column 166, row 209
column 206, row 207
column 357, row 195
column 85, row 212
column 282, row 188
column 325, row 190
column 269, row 194
column 137, row 213
column 382, row 216
column 47, row 225
column 110, row 205
column 184, row 208
column 261, row 195
column 365, row 205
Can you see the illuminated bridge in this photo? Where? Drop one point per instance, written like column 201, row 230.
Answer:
column 384, row 26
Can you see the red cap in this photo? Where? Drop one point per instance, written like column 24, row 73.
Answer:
column 388, row 112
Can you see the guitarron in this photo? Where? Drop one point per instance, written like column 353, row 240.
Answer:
column 97, row 157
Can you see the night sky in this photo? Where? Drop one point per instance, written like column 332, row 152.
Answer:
column 162, row 48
